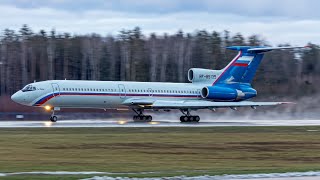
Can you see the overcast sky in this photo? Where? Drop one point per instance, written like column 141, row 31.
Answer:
column 279, row 21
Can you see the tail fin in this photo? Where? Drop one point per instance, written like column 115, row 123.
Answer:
column 243, row 67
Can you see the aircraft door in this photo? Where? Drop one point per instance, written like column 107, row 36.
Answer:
column 56, row 89
column 150, row 92
column 122, row 91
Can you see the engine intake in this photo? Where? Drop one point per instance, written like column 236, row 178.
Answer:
column 203, row 75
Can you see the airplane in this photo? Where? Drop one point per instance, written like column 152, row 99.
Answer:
column 229, row 87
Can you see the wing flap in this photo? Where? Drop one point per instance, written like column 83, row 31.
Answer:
column 202, row 104
column 195, row 104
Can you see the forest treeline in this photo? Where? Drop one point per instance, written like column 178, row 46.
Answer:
column 27, row 56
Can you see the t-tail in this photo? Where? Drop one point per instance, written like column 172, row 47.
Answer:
column 234, row 81
column 243, row 67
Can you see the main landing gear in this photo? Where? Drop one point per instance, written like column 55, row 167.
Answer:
column 140, row 117
column 187, row 117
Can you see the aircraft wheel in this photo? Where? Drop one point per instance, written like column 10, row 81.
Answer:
column 191, row 118
column 197, row 118
column 136, row 118
column 182, row 119
column 53, row 118
column 142, row 118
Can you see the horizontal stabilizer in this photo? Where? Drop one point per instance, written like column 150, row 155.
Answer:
column 266, row 49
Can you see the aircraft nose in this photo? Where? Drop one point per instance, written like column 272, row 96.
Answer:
column 16, row 97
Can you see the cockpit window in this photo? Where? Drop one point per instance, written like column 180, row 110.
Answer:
column 28, row 88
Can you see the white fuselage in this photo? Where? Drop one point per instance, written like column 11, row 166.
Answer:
column 102, row 94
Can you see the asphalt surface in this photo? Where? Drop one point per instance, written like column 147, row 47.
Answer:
column 119, row 122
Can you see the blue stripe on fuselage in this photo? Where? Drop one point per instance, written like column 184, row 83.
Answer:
column 50, row 96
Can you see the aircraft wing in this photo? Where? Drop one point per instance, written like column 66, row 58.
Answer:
column 195, row 104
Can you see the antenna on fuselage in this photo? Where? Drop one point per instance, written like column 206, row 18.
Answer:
column 34, row 81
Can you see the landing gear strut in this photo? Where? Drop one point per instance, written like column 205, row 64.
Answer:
column 53, row 118
column 140, row 117
column 187, row 117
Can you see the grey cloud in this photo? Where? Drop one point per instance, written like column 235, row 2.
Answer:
column 296, row 32
column 297, row 9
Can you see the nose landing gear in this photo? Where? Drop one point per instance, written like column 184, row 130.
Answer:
column 53, row 118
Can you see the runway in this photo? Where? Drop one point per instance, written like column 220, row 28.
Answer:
column 310, row 175
column 157, row 123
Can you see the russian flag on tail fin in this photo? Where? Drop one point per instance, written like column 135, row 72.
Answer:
column 244, row 61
